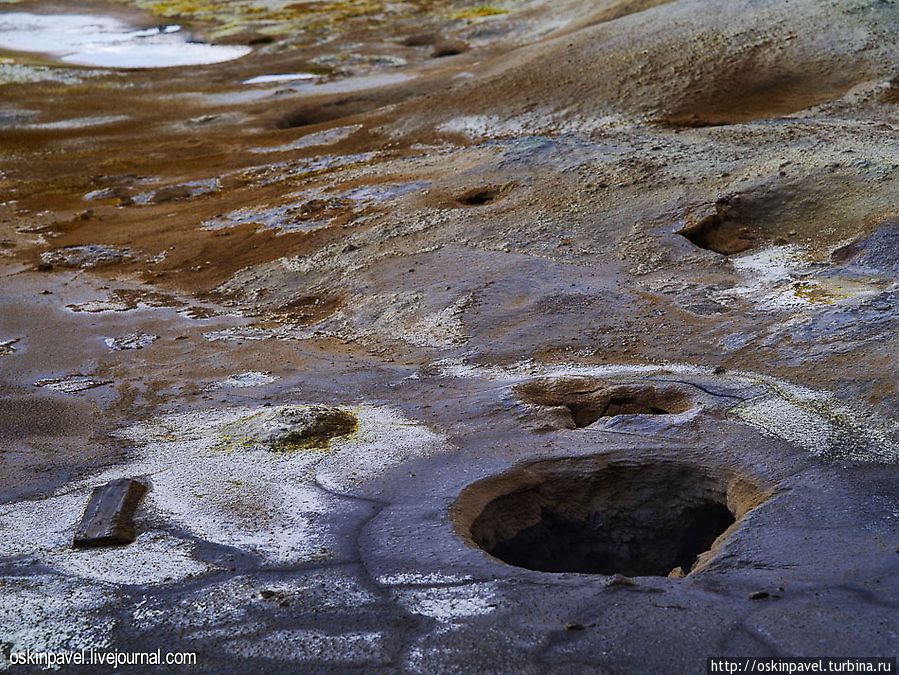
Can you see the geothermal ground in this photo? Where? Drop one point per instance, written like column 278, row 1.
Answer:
column 451, row 338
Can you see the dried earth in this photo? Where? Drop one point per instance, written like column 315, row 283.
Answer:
column 413, row 289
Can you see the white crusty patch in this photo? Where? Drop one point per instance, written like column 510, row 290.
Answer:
column 820, row 424
column 71, row 384
column 450, row 603
column 416, row 579
column 529, row 369
column 51, row 613
column 8, row 346
column 401, row 317
column 232, row 608
column 265, row 503
column 545, row 121
column 385, row 439
column 779, row 278
column 130, row 341
column 251, row 378
column 41, row 530
column 302, row 644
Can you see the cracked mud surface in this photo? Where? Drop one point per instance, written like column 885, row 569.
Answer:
column 415, row 288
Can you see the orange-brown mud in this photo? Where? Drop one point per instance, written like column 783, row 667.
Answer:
column 459, row 201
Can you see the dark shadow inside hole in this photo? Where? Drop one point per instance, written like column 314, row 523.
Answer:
column 720, row 234
column 584, row 414
column 312, row 115
column 444, row 48
column 479, row 196
column 333, row 110
column 632, row 406
column 617, row 542
column 599, row 515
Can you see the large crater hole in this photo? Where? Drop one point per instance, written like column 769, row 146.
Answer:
column 589, row 516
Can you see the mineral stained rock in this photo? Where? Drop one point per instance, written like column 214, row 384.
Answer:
column 290, row 429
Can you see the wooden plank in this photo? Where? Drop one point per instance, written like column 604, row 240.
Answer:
column 108, row 519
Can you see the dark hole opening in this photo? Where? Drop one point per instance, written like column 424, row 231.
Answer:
column 615, row 543
column 330, row 111
column 443, row 49
column 636, row 520
column 585, row 414
column 309, row 117
column 632, row 406
column 479, row 197
column 720, row 233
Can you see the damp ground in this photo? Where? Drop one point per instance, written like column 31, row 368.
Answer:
column 453, row 337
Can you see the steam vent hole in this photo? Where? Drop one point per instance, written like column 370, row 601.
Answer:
column 580, row 516
column 587, row 401
column 480, row 196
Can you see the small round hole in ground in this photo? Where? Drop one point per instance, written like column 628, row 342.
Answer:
column 719, row 232
column 312, row 115
column 479, row 196
column 591, row 516
column 444, row 48
column 333, row 110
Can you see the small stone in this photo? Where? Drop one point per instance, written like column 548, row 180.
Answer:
column 574, row 626
column 290, row 429
column 759, row 595
column 8, row 346
column 108, row 519
column 130, row 341
column 719, row 370
column 86, row 256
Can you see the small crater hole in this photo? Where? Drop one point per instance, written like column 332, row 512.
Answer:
column 479, row 196
column 721, row 233
column 586, row 401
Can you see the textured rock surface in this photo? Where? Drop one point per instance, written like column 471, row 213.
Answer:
column 334, row 317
